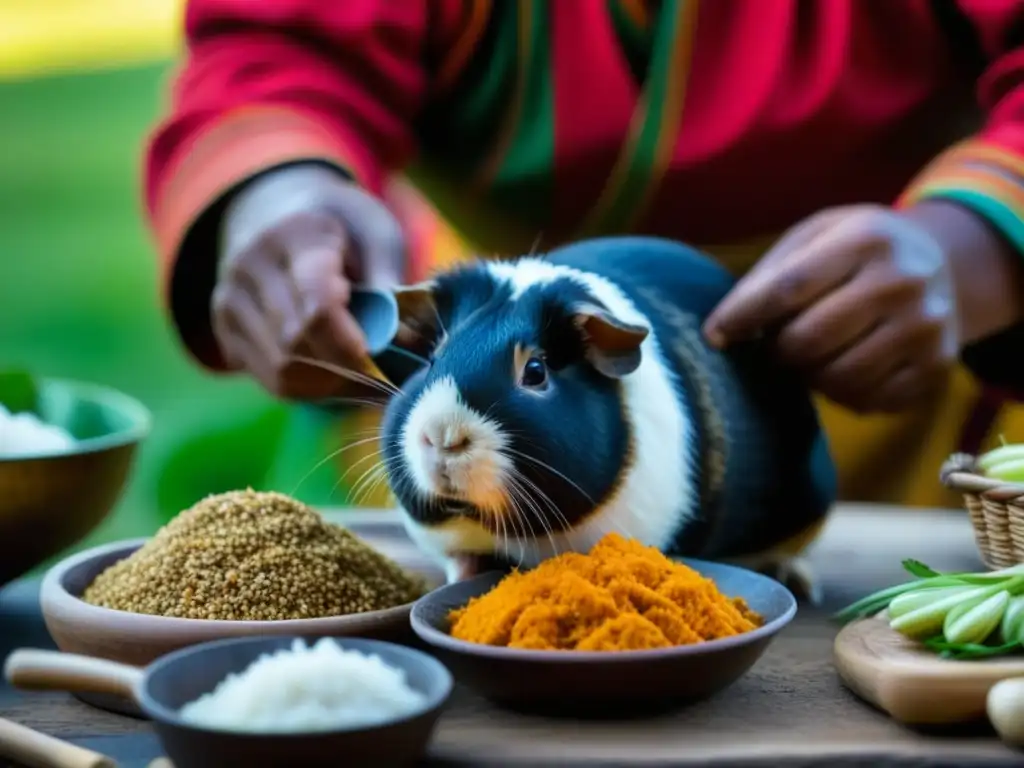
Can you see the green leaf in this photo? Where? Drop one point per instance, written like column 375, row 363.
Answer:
column 918, row 569
column 18, row 391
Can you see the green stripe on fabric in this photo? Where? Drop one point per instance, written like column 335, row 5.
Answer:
column 457, row 131
column 994, row 210
column 638, row 172
column 523, row 181
column 636, row 41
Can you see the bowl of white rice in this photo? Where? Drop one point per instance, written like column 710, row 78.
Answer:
column 66, row 452
column 294, row 701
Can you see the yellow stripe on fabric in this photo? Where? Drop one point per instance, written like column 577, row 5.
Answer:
column 636, row 11
column 664, row 95
column 985, row 190
column 976, row 150
column 462, row 49
column 489, row 168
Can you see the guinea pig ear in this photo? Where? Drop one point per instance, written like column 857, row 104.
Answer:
column 612, row 346
column 417, row 310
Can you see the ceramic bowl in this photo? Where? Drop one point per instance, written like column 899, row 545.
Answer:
column 138, row 639
column 615, row 683
column 50, row 502
column 163, row 688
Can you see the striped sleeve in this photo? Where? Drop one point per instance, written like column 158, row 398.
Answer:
column 982, row 175
column 986, row 172
column 276, row 82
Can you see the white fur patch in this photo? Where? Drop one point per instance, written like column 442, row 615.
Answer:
column 658, row 490
column 477, row 474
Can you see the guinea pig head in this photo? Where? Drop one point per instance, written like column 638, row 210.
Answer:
column 516, row 427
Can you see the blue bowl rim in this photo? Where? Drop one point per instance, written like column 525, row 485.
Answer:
column 138, row 413
column 444, row 640
column 163, row 714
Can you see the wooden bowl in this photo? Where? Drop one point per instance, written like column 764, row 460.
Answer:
column 163, row 688
column 612, row 683
column 49, row 502
column 138, row 639
column 995, row 508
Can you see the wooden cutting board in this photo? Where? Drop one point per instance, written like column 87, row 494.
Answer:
column 911, row 683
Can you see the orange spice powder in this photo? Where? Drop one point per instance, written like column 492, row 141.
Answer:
column 621, row 596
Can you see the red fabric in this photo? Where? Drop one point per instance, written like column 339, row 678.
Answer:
column 791, row 105
column 1000, row 28
column 357, row 65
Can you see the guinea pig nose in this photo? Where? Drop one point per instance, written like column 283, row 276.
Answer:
column 455, row 442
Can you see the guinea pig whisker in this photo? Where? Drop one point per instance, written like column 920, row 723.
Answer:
column 517, row 519
column 386, row 387
column 408, row 353
column 352, row 467
column 537, row 511
column 370, row 485
column 362, row 402
column 547, row 467
column 548, row 502
column 334, row 454
column 357, row 492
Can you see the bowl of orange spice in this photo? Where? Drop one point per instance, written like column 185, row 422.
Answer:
column 618, row 630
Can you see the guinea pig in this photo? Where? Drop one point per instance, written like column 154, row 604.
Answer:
column 572, row 394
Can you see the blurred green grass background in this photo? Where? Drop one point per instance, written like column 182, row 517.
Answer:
column 79, row 296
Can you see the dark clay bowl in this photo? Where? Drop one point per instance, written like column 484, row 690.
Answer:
column 138, row 639
column 605, row 683
column 49, row 502
column 172, row 681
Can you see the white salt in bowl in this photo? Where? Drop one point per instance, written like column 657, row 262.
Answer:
column 173, row 681
column 138, row 639
column 51, row 499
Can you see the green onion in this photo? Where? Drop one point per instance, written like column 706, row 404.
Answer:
column 1012, row 627
column 955, row 614
column 919, row 598
column 929, row 619
column 969, row 623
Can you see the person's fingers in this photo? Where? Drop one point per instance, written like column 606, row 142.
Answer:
column 855, row 376
column 909, row 386
column 376, row 240
column 802, row 234
column 248, row 340
column 844, row 316
column 323, row 294
column 776, row 291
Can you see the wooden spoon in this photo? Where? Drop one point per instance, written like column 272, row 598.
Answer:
column 37, row 750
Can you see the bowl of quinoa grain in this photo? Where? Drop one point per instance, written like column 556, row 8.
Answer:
column 237, row 564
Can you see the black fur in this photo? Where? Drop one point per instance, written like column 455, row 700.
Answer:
column 754, row 421
column 577, row 426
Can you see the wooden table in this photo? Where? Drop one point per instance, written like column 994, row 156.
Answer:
column 790, row 708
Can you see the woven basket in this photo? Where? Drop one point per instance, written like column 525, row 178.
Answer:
column 996, row 510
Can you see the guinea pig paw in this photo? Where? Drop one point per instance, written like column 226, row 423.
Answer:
column 461, row 567
column 797, row 575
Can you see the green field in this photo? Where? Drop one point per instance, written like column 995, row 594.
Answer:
column 78, row 288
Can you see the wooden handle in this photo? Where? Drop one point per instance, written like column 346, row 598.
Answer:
column 32, row 669
column 37, row 750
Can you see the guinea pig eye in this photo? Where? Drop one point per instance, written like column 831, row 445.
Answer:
column 535, row 373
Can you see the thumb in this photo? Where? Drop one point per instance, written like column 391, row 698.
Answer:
column 376, row 237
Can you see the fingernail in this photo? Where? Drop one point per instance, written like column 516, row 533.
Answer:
column 715, row 337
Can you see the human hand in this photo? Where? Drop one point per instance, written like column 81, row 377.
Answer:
column 860, row 298
column 294, row 243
